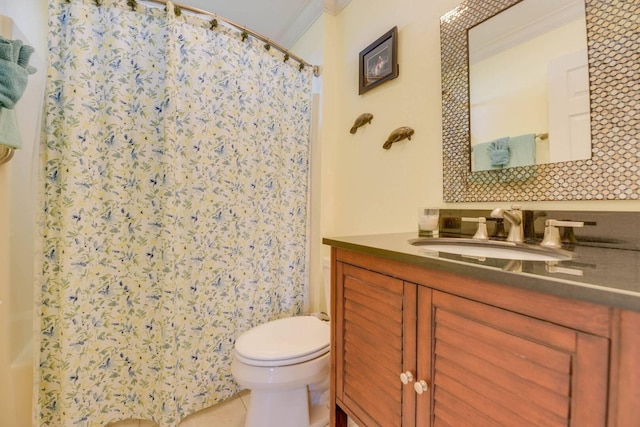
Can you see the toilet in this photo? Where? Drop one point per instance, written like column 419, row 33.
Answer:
column 285, row 363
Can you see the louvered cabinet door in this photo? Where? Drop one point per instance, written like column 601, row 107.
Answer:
column 373, row 347
column 492, row 367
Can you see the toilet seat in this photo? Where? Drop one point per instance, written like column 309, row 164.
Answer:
column 284, row 342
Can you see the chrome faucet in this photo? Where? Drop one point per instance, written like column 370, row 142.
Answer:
column 481, row 232
column 552, row 234
column 514, row 216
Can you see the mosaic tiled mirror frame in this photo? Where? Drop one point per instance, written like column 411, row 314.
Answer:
column 614, row 78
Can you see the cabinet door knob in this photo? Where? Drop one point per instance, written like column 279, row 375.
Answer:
column 421, row 386
column 406, row 377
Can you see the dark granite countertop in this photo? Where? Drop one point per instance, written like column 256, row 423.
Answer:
column 595, row 274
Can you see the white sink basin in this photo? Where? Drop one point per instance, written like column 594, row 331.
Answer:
column 491, row 249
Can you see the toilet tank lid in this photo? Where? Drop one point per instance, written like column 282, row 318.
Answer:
column 285, row 338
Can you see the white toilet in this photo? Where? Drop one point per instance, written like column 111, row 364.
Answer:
column 285, row 363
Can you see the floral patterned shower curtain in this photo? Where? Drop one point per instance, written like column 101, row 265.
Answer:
column 173, row 209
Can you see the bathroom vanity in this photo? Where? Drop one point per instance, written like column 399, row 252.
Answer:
column 428, row 338
column 422, row 338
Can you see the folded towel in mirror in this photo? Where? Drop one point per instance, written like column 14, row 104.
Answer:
column 499, row 152
column 523, row 150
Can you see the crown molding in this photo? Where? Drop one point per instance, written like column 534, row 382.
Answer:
column 308, row 14
column 522, row 27
column 334, row 6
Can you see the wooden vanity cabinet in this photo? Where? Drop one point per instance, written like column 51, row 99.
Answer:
column 472, row 353
column 495, row 367
column 376, row 342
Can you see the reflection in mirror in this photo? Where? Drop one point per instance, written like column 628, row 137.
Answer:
column 529, row 86
column 612, row 172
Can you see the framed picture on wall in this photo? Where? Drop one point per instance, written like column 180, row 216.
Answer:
column 379, row 61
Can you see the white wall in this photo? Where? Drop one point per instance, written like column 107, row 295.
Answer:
column 31, row 17
column 17, row 201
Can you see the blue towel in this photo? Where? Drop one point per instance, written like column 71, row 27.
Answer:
column 499, row 152
column 14, row 74
column 481, row 159
column 523, row 150
column 9, row 131
column 14, row 71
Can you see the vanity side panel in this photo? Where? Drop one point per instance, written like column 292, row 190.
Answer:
column 579, row 315
column 337, row 417
column 624, row 385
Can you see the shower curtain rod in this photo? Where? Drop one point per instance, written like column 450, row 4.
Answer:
column 316, row 69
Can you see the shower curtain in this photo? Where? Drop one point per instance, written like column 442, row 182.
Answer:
column 173, row 209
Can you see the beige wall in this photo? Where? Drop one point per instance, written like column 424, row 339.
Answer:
column 377, row 190
column 363, row 188
column 315, row 43
column 358, row 188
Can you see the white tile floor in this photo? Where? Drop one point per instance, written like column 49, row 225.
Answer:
column 230, row 413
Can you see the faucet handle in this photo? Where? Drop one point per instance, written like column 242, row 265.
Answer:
column 481, row 232
column 558, row 223
column 551, row 237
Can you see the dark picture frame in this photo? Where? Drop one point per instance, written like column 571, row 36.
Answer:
column 379, row 61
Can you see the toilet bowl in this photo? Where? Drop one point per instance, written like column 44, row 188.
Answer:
column 285, row 363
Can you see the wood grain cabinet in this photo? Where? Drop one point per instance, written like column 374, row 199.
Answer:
column 413, row 347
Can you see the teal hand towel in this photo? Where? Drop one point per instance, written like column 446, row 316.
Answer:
column 481, row 160
column 9, row 131
column 499, row 152
column 14, row 75
column 24, row 56
column 14, row 71
column 523, row 150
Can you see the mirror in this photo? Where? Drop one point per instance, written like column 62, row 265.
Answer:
column 612, row 171
column 529, row 86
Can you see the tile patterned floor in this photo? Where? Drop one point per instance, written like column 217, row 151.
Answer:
column 230, row 413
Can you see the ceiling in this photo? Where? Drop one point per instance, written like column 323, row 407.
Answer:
column 281, row 21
